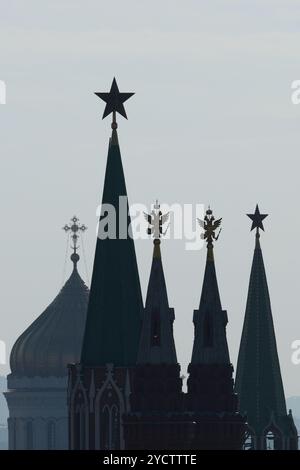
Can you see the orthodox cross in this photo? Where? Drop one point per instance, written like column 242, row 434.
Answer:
column 75, row 229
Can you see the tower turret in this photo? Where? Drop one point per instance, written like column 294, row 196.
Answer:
column 100, row 383
column 156, row 420
column 210, row 384
column 258, row 378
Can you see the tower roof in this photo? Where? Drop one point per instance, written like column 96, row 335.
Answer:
column 115, row 305
column 210, row 343
column 54, row 339
column 258, row 378
column 157, row 342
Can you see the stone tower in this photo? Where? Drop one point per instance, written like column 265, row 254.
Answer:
column 210, row 397
column 156, row 420
column 99, row 385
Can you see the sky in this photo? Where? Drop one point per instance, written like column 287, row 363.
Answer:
column 211, row 122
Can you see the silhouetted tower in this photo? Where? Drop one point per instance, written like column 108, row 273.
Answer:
column 210, row 395
column 99, row 385
column 156, row 399
column 258, row 378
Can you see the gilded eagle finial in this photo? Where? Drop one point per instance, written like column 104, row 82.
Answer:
column 209, row 226
column 156, row 219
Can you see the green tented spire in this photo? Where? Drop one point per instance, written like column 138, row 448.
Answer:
column 115, row 305
column 258, row 378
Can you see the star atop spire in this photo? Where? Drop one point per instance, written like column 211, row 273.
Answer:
column 257, row 219
column 75, row 228
column 114, row 102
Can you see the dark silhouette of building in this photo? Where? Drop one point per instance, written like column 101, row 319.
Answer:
column 157, row 419
column 258, row 378
column 210, row 396
column 126, row 390
column 37, row 385
column 99, row 385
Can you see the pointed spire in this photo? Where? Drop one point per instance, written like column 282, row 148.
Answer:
column 115, row 306
column 157, row 342
column 210, row 343
column 258, row 378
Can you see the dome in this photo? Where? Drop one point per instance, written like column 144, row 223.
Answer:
column 54, row 339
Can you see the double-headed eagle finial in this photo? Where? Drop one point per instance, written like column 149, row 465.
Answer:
column 156, row 219
column 210, row 225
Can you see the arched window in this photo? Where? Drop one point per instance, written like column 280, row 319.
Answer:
column 249, row 442
column 29, row 435
column 270, row 440
column 155, row 328
column 105, row 428
column 115, row 427
column 208, row 331
column 51, row 435
column 82, row 426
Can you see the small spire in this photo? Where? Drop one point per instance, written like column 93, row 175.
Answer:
column 75, row 228
column 157, row 342
column 210, row 320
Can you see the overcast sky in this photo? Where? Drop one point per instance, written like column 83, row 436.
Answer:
column 211, row 122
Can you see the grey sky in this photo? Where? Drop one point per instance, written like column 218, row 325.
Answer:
column 211, row 122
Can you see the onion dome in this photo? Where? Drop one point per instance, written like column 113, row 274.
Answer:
column 54, row 339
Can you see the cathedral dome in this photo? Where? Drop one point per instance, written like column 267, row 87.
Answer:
column 54, row 339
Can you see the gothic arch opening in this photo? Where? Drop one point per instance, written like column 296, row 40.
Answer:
column 82, row 426
column 208, row 332
column 115, row 427
column 104, row 428
column 250, row 440
column 80, row 420
column 270, row 440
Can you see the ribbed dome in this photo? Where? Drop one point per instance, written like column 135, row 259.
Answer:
column 54, row 339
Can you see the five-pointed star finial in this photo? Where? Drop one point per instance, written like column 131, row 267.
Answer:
column 114, row 101
column 257, row 219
